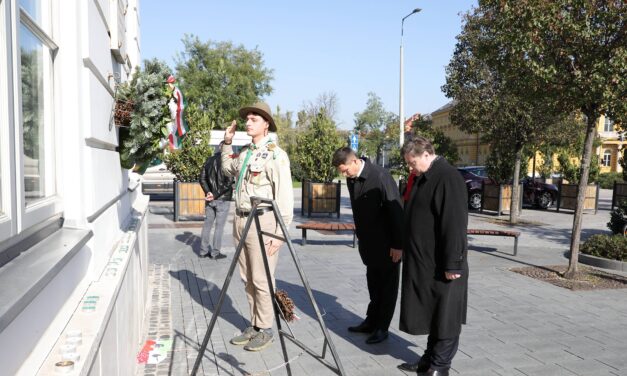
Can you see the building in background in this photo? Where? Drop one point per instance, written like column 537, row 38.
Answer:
column 73, row 239
column 612, row 147
column 473, row 152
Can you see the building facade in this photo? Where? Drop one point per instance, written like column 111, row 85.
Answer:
column 73, row 245
column 612, row 147
column 474, row 152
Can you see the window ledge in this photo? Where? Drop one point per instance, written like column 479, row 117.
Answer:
column 33, row 269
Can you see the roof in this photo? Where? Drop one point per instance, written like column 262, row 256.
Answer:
column 444, row 108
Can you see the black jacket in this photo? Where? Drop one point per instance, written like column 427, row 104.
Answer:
column 213, row 180
column 377, row 212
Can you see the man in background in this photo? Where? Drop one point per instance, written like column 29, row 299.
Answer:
column 218, row 194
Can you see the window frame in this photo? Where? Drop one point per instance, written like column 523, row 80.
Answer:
column 15, row 214
column 607, row 122
column 607, row 158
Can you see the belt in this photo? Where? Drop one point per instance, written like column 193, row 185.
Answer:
column 245, row 213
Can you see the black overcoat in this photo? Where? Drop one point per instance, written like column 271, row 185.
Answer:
column 435, row 222
column 377, row 213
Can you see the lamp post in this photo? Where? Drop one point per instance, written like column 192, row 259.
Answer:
column 401, row 119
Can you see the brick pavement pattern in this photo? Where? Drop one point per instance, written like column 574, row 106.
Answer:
column 516, row 325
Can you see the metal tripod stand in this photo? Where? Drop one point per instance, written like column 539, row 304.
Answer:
column 254, row 214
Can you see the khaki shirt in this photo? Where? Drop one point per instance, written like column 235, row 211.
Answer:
column 267, row 174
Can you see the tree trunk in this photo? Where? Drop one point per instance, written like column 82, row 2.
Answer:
column 581, row 194
column 513, row 207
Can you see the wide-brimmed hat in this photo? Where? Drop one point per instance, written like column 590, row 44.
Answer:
column 262, row 109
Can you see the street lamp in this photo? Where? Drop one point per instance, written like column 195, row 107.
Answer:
column 400, row 94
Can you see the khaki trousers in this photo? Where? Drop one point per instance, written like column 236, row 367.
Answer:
column 253, row 271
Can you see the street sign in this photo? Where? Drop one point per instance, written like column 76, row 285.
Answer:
column 354, row 142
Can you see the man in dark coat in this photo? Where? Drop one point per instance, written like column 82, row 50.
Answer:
column 435, row 269
column 378, row 213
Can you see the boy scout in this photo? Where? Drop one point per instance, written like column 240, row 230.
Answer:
column 262, row 169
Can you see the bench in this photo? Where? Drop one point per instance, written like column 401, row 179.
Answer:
column 512, row 234
column 327, row 226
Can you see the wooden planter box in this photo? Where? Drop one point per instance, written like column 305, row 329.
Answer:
column 320, row 198
column 619, row 193
column 498, row 198
column 189, row 200
column 567, row 198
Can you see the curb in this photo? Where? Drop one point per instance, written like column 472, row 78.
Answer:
column 603, row 262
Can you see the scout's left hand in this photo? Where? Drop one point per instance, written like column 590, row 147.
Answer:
column 273, row 246
column 451, row 276
column 396, row 254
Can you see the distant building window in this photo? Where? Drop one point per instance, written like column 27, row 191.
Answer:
column 608, row 126
column 607, row 158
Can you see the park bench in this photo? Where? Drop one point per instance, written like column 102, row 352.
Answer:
column 349, row 226
column 512, row 234
column 327, row 226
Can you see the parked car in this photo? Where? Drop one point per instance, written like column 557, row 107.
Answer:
column 158, row 180
column 474, row 176
column 535, row 193
column 539, row 194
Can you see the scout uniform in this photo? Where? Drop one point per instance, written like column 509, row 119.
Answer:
column 261, row 170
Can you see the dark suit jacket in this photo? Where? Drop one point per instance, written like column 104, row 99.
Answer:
column 377, row 212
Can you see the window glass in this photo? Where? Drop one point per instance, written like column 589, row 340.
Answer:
column 33, row 8
column 607, row 158
column 32, row 71
column 609, row 125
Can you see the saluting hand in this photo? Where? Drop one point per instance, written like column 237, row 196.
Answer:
column 230, row 132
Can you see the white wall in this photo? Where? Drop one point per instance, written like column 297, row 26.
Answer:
column 88, row 177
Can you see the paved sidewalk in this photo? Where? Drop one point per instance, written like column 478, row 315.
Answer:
column 516, row 325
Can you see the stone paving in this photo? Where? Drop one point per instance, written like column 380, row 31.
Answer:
column 516, row 325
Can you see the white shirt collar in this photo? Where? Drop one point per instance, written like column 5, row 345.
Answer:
column 363, row 163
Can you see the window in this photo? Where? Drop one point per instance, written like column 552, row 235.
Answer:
column 27, row 165
column 608, row 126
column 607, row 158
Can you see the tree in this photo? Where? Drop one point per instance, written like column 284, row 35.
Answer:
column 568, row 54
column 288, row 135
column 187, row 162
column 220, row 78
column 327, row 102
column 314, row 151
column 374, row 125
column 485, row 105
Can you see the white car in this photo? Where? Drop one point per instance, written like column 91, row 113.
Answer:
column 158, row 180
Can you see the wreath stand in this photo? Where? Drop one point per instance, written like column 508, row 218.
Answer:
column 336, row 367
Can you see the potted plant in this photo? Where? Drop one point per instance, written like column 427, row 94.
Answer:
column 313, row 159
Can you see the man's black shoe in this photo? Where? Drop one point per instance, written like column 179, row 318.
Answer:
column 364, row 327
column 379, row 335
column 433, row 372
column 419, row 366
column 219, row 256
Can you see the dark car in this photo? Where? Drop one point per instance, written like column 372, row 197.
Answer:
column 539, row 194
column 535, row 193
column 474, row 176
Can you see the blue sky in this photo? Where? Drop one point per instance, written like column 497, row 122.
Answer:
column 348, row 47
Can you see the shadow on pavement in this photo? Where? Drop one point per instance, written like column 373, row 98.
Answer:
column 337, row 319
column 207, row 294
